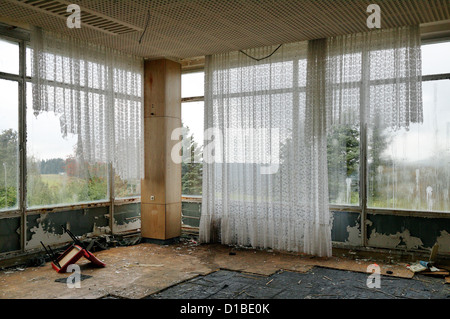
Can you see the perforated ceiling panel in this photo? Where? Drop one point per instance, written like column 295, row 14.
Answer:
column 180, row 29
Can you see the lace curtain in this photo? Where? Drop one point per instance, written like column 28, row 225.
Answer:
column 97, row 92
column 376, row 76
column 265, row 181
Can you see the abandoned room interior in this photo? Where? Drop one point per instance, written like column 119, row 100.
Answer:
column 211, row 149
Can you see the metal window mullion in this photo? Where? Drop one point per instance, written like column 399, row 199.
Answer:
column 363, row 147
column 435, row 77
column 22, row 144
column 110, row 116
column 111, row 196
column 10, row 76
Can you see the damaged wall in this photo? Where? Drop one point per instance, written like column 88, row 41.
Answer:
column 384, row 231
column 9, row 234
column 408, row 232
column 46, row 226
column 346, row 228
column 127, row 217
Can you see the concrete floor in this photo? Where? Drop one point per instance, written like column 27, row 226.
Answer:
column 151, row 271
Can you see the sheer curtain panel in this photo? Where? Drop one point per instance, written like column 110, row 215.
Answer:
column 265, row 181
column 269, row 154
column 97, row 92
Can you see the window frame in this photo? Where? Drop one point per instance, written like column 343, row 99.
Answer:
column 22, row 37
column 398, row 211
column 362, row 208
column 20, row 80
column 192, row 198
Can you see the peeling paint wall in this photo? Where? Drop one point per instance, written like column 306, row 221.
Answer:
column 383, row 231
column 444, row 240
column 402, row 240
column 127, row 217
column 346, row 228
column 47, row 227
column 408, row 233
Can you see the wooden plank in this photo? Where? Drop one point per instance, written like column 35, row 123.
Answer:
column 435, row 273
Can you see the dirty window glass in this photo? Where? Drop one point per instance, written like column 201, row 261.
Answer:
column 192, row 164
column 56, row 173
column 9, row 142
column 192, row 84
column 343, row 164
column 9, row 56
column 411, row 169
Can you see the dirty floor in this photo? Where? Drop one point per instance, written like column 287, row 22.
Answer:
column 317, row 283
column 217, row 271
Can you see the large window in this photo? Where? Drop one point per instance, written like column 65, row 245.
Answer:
column 9, row 144
column 192, row 85
column 405, row 169
column 56, row 173
column 9, row 124
column 411, row 169
column 343, row 153
column 9, row 59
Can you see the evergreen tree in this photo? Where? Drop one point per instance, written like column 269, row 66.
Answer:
column 192, row 166
column 343, row 160
column 8, row 168
column 378, row 141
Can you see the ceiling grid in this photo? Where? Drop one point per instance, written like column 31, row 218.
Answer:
column 180, row 29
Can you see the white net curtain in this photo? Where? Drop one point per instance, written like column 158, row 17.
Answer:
column 377, row 73
column 265, row 181
column 97, row 92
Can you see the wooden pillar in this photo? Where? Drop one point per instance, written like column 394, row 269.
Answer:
column 161, row 186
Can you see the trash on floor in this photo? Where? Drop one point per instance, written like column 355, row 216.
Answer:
column 438, row 273
column 417, row 267
column 434, row 252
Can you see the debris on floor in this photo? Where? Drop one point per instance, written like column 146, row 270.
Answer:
column 71, row 255
column 335, row 284
column 150, row 270
column 96, row 244
column 430, row 267
column 438, row 273
column 417, row 267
